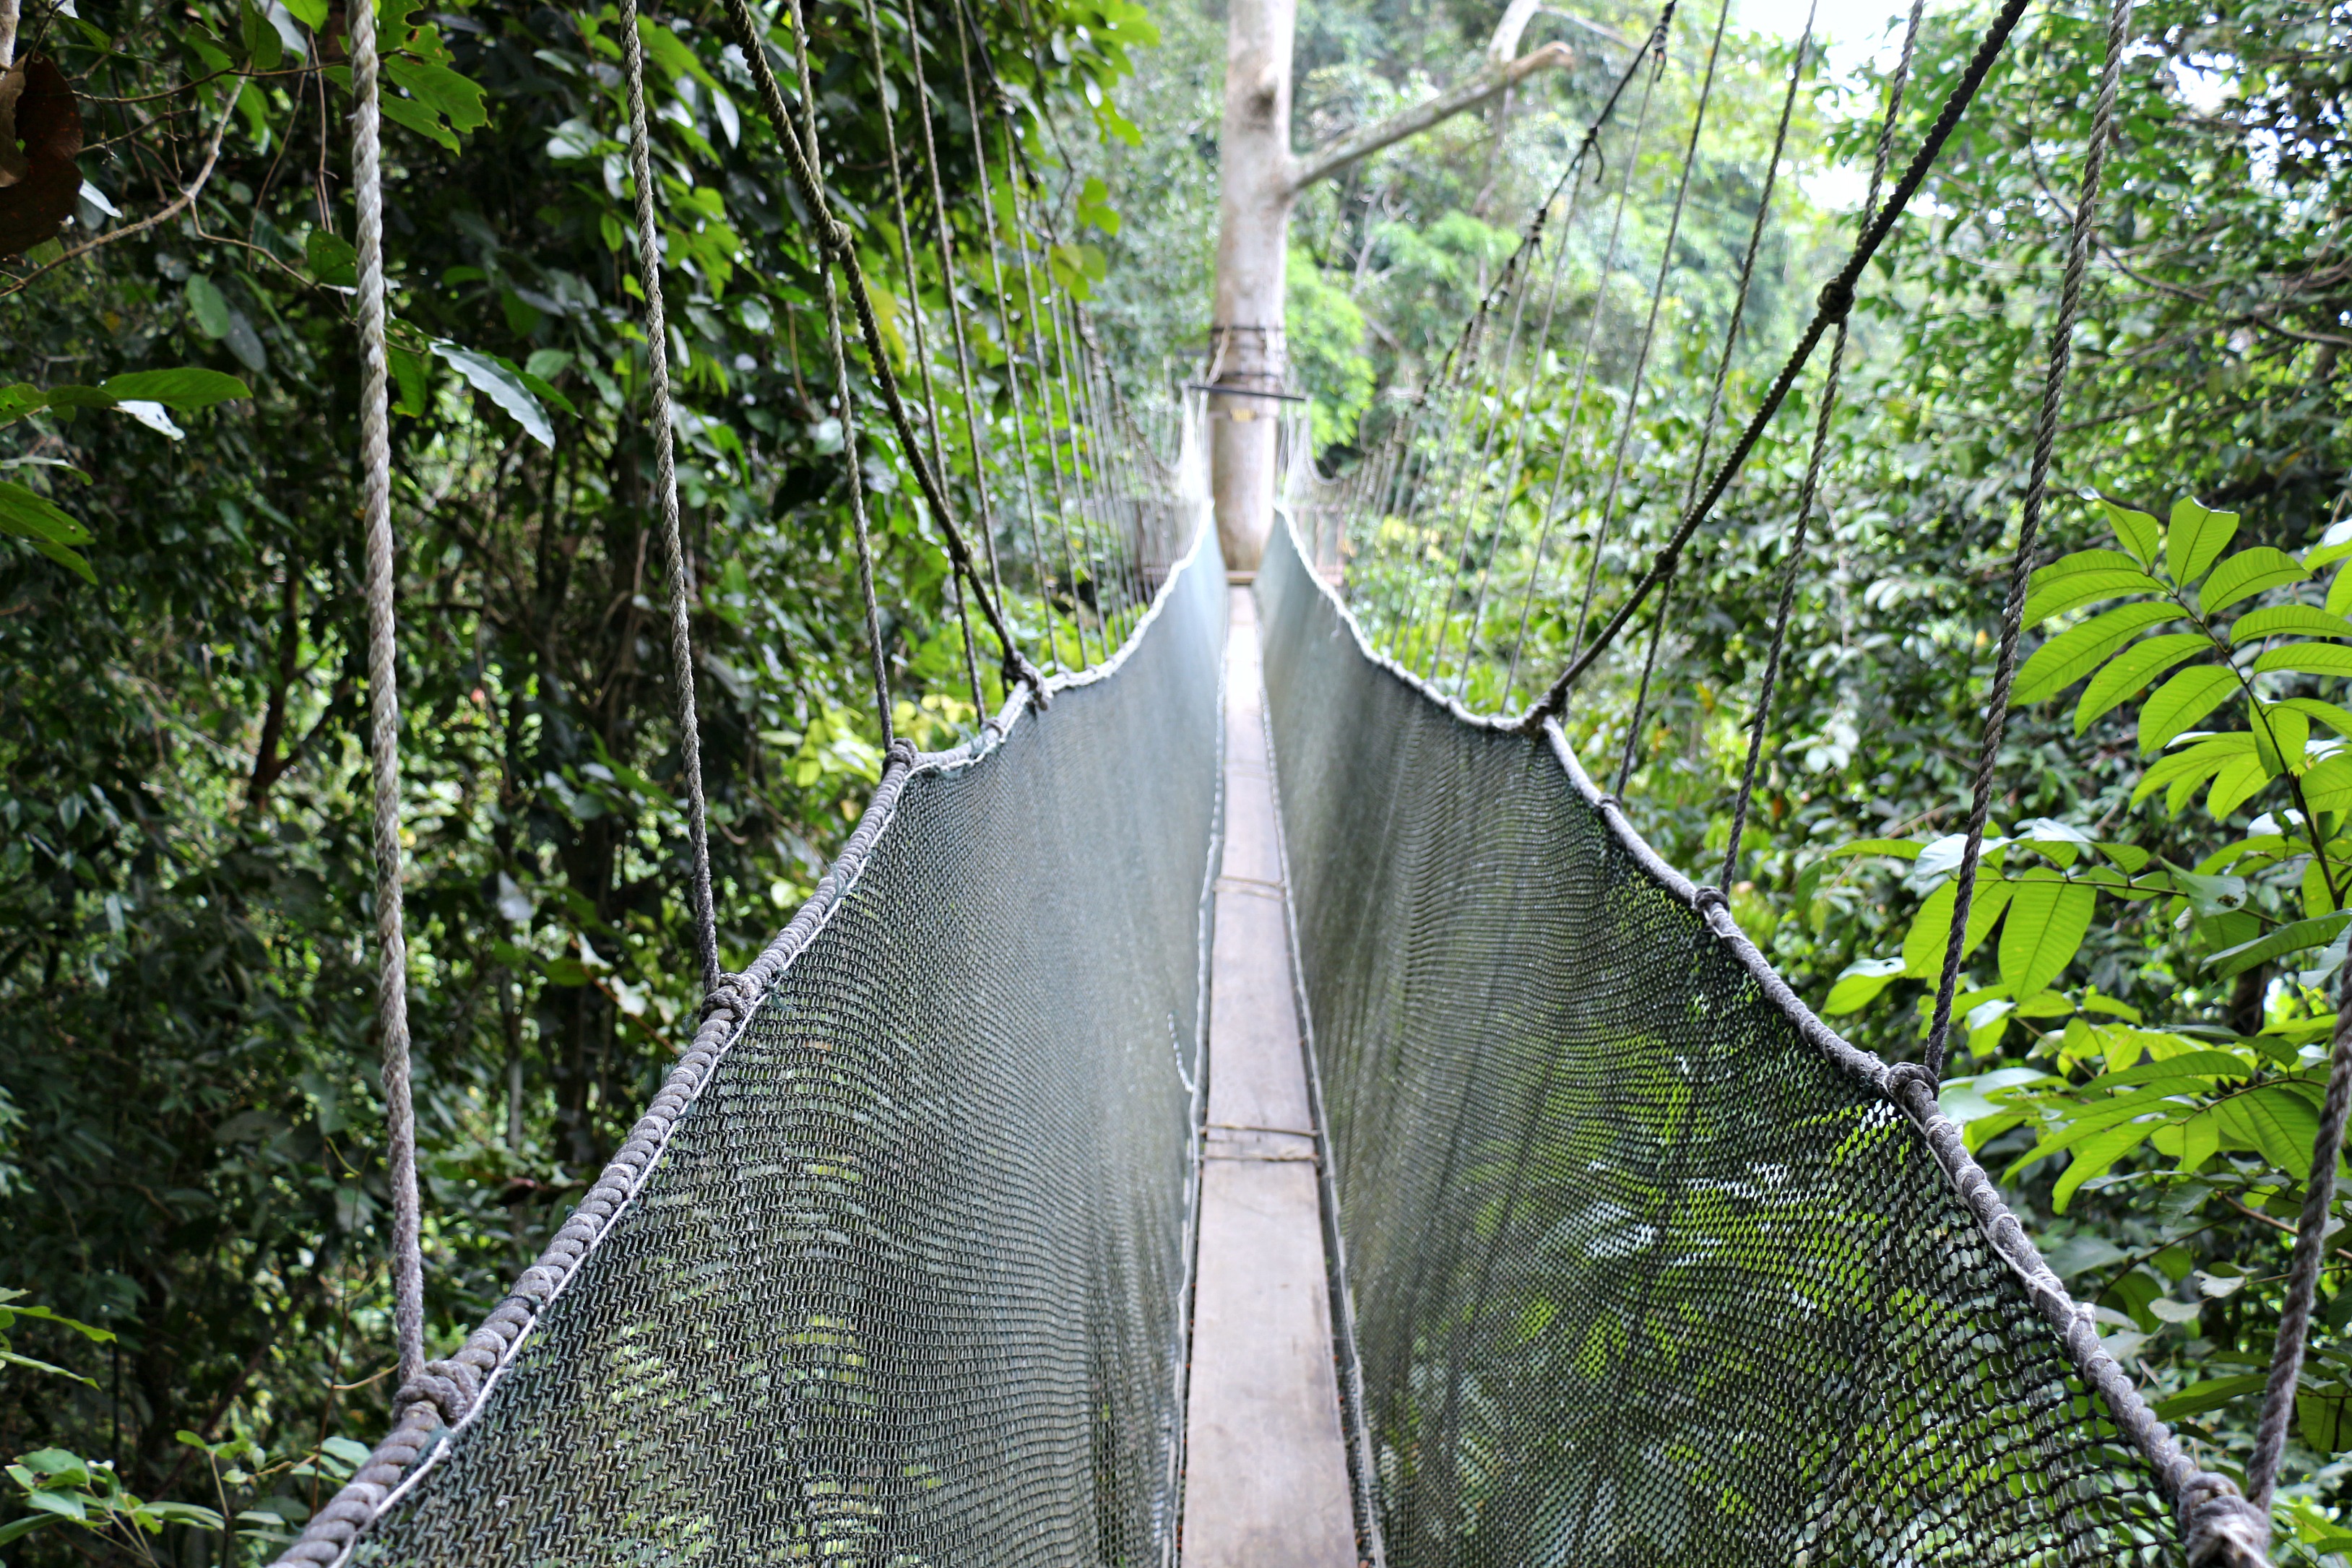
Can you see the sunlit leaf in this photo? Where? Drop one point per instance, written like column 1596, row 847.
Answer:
column 2131, row 670
column 2077, row 650
column 2182, row 701
column 2046, row 924
column 2196, row 539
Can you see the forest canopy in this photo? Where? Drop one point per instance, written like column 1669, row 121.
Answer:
column 191, row 1153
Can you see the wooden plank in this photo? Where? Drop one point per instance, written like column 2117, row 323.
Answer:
column 1267, row 1470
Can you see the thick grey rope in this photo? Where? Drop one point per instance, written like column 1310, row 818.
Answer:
column 383, row 699
column 2037, row 488
column 1722, row 379
column 681, row 584
column 1836, row 300
column 1760, row 723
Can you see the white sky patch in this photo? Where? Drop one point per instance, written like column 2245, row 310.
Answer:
column 1859, row 31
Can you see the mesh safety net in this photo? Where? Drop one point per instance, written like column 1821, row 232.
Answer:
column 905, row 1281
column 1643, row 1271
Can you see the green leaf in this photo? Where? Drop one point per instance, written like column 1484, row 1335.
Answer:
column 2328, row 786
column 2276, row 1122
column 2196, row 539
column 2281, row 737
column 2291, row 939
column 440, row 90
column 2211, row 1393
column 2209, row 896
column 2178, row 704
column 407, row 111
column 672, row 53
column 311, row 14
column 412, row 373
column 2324, row 1416
column 1858, row 984
column 2073, row 592
column 16, row 1527
column 17, row 401
column 2046, row 924
column 503, row 387
column 2186, row 771
column 2132, row 669
column 32, row 516
column 184, row 388
column 2336, row 719
column 209, row 305
column 2306, row 658
column 2095, row 1155
column 332, row 259
column 2139, row 532
column 2252, row 571
column 2077, row 650
column 2288, row 620
column 2235, row 783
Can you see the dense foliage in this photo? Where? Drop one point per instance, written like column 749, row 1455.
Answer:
column 188, row 1111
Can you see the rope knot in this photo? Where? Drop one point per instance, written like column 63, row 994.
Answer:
column 1706, row 897
column 2218, row 1526
column 734, row 993
column 836, row 239
column 902, row 753
column 449, row 1386
column 1836, row 300
column 1905, row 1076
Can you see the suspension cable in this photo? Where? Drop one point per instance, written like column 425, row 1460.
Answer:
column 681, row 581
column 1649, row 325
column 1722, row 379
column 1760, row 723
column 384, row 701
column 922, row 341
column 1836, row 300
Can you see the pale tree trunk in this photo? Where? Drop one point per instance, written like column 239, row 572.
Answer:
column 1261, row 182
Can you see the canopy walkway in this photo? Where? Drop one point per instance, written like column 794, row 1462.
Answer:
column 1292, row 1121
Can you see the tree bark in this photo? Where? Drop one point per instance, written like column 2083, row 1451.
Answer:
column 1260, row 182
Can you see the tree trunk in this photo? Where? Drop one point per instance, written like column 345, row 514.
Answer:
column 1246, row 342
column 1259, row 182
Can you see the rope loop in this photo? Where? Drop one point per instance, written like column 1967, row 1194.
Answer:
column 1704, row 896
column 2219, row 1527
column 1836, row 301
column 449, row 1386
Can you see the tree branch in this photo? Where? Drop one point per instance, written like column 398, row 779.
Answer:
column 1355, row 146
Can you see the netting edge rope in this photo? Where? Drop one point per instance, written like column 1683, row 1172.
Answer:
column 454, row 1392
column 2219, row 1527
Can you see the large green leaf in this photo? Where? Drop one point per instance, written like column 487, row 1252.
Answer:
column 2237, row 782
column 1931, row 929
column 2072, row 592
column 2199, row 763
column 2178, row 704
column 2132, row 669
column 2046, row 924
column 2297, row 937
column 2253, row 570
column 2288, row 620
column 2306, row 658
column 188, row 386
column 2275, row 1121
column 2337, row 719
column 2328, row 786
column 2210, row 1394
column 2140, row 533
column 1858, row 985
column 2196, row 539
column 2094, row 1156
column 2077, row 650
column 503, row 387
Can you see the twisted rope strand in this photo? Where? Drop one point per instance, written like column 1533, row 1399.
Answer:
column 681, row 581
column 384, row 701
column 1760, row 723
column 2037, row 486
column 1722, row 379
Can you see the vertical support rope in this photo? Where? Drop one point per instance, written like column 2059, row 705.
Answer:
column 681, row 585
column 384, row 701
column 2021, row 563
column 1760, row 723
column 1722, row 379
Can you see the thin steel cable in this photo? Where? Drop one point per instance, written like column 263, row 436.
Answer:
column 2021, row 565
column 1722, row 379
column 1760, row 723
column 1574, row 406
column 922, row 341
column 1650, row 324
column 383, row 702
column 1025, row 218
column 681, row 581
column 1836, row 300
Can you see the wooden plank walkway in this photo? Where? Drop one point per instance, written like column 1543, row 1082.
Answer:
column 1266, row 1472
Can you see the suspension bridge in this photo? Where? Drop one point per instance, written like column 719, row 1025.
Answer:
column 1260, row 1102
